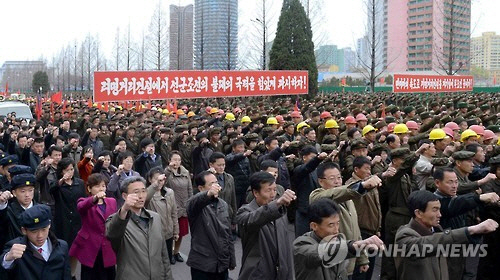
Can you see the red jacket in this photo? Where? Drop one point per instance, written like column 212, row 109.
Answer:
column 91, row 238
column 85, row 167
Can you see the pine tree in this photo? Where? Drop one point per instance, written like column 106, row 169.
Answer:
column 293, row 48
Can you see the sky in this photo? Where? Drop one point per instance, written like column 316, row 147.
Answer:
column 33, row 29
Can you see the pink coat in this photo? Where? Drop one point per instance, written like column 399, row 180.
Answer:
column 92, row 236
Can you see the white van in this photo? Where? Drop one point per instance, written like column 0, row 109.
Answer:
column 22, row 110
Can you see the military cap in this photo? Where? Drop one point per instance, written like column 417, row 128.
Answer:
column 2, row 155
column 200, row 136
column 379, row 124
column 356, row 111
column 251, row 137
column 408, row 109
column 287, row 124
column 494, row 160
column 390, row 119
column 400, row 152
column 471, row 107
column 283, row 111
column 494, row 128
column 471, row 122
column 21, row 180
column 296, row 144
column 433, row 104
column 425, row 115
column 327, row 148
column 213, row 131
column 180, row 128
column 463, row 155
column 461, row 105
column 389, row 108
column 329, row 139
column 19, row 169
column 36, row 217
column 443, row 161
column 459, row 120
column 378, row 148
column 369, row 110
column 358, row 144
column 484, row 107
column 394, row 109
column 12, row 159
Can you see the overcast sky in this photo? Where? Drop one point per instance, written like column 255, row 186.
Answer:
column 30, row 29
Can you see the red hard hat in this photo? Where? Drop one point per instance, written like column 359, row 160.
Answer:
column 208, row 109
column 350, row 120
column 280, row 118
column 452, row 126
column 488, row 134
column 412, row 125
column 449, row 132
column 479, row 130
column 184, row 107
column 221, row 111
column 295, row 114
column 361, row 117
column 390, row 127
column 237, row 110
column 325, row 115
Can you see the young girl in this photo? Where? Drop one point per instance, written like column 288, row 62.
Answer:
column 91, row 247
column 161, row 199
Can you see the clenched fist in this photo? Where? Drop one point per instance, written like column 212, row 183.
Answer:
column 16, row 252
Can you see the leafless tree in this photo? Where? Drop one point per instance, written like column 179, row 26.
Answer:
column 117, row 47
column 453, row 29
column 157, row 42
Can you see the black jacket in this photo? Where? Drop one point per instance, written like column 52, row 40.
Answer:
column 305, row 181
column 454, row 209
column 283, row 174
column 32, row 266
column 144, row 163
column 212, row 246
column 238, row 165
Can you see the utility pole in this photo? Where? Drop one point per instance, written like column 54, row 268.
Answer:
column 264, row 34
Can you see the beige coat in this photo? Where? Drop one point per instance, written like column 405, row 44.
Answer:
column 163, row 203
column 181, row 183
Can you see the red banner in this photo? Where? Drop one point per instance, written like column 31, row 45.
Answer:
column 154, row 85
column 432, row 83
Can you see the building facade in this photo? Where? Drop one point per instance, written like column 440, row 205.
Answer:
column 485, row 53
column 422, row 35
column 181, row 37
column 216, row 34
column 19, row 74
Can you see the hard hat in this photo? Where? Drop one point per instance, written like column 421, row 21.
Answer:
column 478, row 129
column 295, row 114
column 246, row 119
column 272, row 120
column 208, row 109
column 165, row 111
column 280, row 119
column 184, row 107
column 214, row 111
column 488, row 134
column 230, row 117
column 449, row 132
column 221, row 112
column 390, row 127
column 331, row 124
column 437, row 134
column 325, row 115
column 361, row 117
column 191, row 114
column 467, row 134
column 401, row 128
column 237, row 110
column 180, row 112
column 368, row 129
column 412, row 125
column 350, row 120
column 301, row 125
column 154, row 109
column 452, row 126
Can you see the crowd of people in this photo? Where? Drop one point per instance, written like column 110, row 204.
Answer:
column 115, row 188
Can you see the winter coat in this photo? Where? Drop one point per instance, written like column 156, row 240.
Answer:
column 181, row 183
column 163, row 203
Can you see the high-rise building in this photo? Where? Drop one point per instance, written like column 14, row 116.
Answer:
column 485, row 52
column 181, row 37
column 216, row 34
column 419, row 34
column 332, row 59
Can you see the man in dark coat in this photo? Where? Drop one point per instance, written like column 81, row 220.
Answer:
column 201, row 154
column 148, row 159
column 38, row 254
column 266, row 250
column 210, row 224
column 275, row 153
column 238, row 165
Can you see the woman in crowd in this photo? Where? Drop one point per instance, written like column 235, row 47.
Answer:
column 66, row 192
column 91, row 247
column 161, row 199
column 86, row 164
column 104, row 166
column 179, row 180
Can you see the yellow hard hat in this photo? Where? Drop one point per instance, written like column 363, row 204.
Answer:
column 401, row 128
column 214, row 111
column 191, row 114
column 180, row 112
column 301, row 125
column 246, row 119
column 331, row 124
column 230, row 117
column 272, row 120
column 368, row 128
column 468, row 133
column 165, row 111
column 437, row 134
